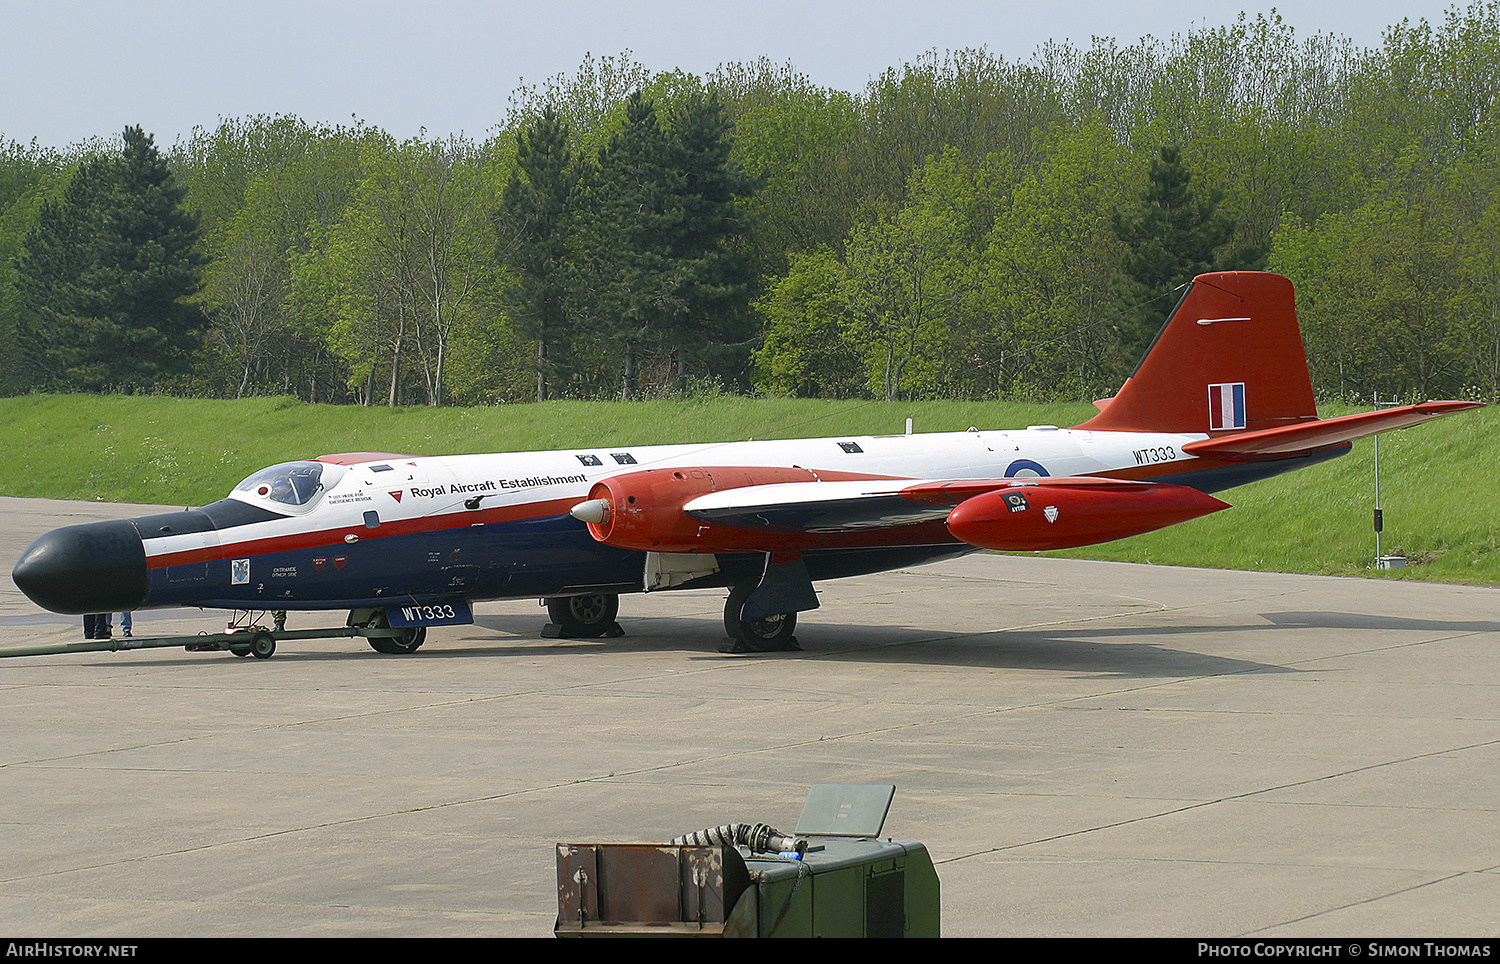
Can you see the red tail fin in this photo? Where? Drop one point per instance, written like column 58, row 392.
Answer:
column 1229, row 359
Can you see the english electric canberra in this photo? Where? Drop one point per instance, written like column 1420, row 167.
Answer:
column 1222, row 398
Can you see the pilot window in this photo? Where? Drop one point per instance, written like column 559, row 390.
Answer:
column 291, row 484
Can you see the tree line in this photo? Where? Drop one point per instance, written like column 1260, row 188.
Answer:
column 966, row 226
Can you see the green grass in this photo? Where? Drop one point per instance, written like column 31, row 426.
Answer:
column 1437, row 480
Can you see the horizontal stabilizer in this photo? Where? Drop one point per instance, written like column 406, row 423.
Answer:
column 1284, row 440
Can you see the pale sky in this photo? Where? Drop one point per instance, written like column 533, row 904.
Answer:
column 78, row 69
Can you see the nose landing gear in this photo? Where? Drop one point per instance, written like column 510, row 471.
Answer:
column 392, row 642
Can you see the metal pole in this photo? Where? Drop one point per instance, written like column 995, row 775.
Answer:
column 1379, row 514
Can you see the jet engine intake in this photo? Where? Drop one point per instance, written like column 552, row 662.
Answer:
column 643, row 510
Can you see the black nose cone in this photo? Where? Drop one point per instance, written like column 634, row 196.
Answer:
column 95, row 568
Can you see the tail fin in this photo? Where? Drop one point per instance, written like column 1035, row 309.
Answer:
column 1229, row 359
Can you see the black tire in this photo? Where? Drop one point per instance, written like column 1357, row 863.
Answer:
column 584, row 617
column 263, row 645
column 769, row 635
column 410, row 640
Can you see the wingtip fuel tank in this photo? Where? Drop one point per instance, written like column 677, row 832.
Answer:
column 1025, row 518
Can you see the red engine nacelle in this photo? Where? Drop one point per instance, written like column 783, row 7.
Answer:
column 643, row 510
column 1025, row 518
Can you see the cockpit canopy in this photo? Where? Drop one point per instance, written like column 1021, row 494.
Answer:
column 291, row 485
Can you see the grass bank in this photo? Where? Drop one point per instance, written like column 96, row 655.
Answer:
column 1438, row 480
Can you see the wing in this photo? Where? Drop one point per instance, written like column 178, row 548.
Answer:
column 825, row 507
column 1012, row 514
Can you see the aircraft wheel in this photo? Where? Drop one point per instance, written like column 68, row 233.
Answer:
column 769, row 635
column 584, row 617
column 410, row 640
column 263, row 645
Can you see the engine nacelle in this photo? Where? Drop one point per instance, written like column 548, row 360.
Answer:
column 643, row 510
column 1025, row 518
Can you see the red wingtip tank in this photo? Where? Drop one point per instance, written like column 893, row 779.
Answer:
column 1025, row 518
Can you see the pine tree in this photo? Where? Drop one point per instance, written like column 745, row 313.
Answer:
column 536, row 222
column 105, row 278
column 633, row 217
column 1173, row 236
column 714, row 271
column 667, row 212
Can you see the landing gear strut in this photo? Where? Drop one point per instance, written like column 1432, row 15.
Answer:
column 768, row 635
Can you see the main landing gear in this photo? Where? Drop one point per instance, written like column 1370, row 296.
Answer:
column 583, row 617
column 592, row 616
column 770, row 634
